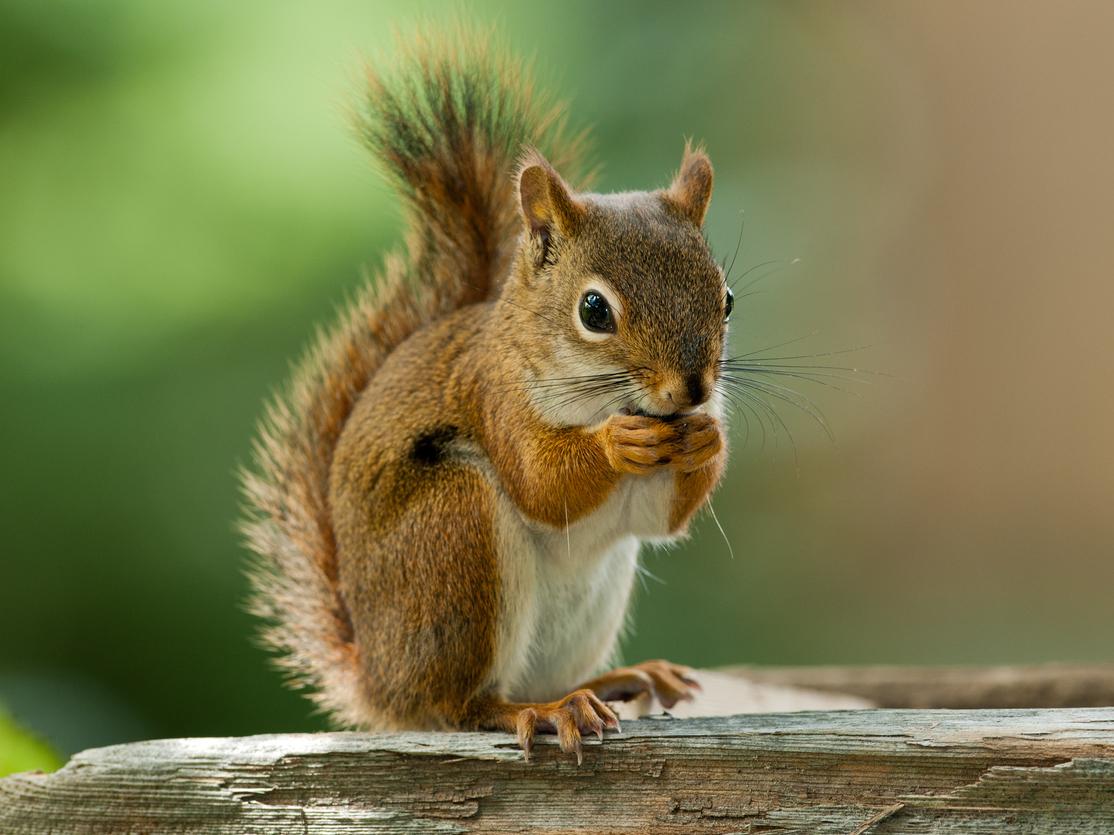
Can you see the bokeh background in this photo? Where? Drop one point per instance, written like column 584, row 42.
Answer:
column 181, row 202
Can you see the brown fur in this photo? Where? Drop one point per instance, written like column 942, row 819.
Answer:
column 691, row 190
column 379, row 472
column 447, row 131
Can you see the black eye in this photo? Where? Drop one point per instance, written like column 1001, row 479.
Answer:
column 728, row 304
column 595, row 313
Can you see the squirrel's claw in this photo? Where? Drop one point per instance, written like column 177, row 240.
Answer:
column 640, row 445
column 525, row 724
column 578, row 713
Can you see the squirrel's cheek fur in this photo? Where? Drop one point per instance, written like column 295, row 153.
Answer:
column 448, row 500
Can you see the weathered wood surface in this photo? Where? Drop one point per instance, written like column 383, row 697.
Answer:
column 866, row 771
column 1039, row 685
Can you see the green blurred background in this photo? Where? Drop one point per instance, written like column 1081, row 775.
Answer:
column 181, row 202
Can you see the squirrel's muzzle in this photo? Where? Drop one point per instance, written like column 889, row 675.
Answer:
column 683, row 392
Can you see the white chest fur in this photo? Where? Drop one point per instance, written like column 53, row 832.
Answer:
column 566, row 591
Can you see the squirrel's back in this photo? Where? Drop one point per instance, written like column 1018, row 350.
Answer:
column 447, row 124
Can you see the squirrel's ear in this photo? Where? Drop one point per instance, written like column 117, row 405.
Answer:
column 691, row 191
column 546, row 203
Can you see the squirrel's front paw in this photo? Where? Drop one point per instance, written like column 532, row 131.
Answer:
column 642, row 444
column 639, row 444
column 700, row 440
column 667, row 682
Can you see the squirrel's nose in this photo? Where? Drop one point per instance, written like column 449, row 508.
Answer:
column 694, row 386
column 690, row 392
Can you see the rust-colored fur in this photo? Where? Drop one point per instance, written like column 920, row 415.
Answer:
column 421, row 438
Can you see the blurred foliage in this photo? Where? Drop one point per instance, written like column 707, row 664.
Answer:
column 20, row 751
column 182, row 202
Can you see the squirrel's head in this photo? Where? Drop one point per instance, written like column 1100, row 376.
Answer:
column 624, row 286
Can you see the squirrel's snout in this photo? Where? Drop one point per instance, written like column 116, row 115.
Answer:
column 686, row 392
column 694, row 387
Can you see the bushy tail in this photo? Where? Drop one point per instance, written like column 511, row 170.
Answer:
column 447, row 124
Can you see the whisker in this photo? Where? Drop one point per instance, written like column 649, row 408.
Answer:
column 565, row 382
column 617, row 399
column 759, row 409
column 740, row 296
column 531, row 310
column 582, row 378
column 791, row 396
column 818, row 369
column 625, row 391
column 776, row 420
column 818, row 377
column 568, row 536
column 743, row 400
column 780, row 262
column 572, row 388
column 782, row 392
column 773, row 413
column 773, row 347
column 799, row 356
column 576, row 379
column 514, row 304
column 723, row 533
column 586, row 376
column 643, row 572
column 733, row 404
column 738, row 246
column 559, row 399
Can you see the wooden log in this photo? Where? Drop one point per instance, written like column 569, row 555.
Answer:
column 867, row 772
column 1041, row 685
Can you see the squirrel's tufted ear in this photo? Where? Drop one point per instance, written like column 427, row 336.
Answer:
column 691, row 190
column 546, row 203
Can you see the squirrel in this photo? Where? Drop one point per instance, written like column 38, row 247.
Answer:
column 447, row 502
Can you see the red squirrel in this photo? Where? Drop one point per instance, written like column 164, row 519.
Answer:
column 448, row 500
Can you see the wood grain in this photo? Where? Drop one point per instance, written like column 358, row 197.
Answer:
column 862, row 771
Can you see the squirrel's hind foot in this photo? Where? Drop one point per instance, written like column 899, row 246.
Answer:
column 580, row 712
